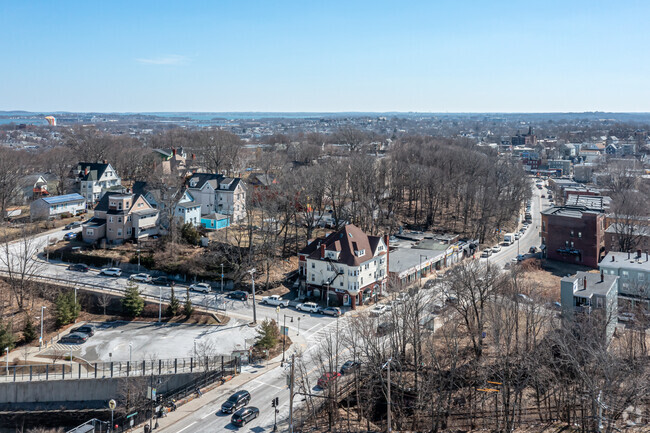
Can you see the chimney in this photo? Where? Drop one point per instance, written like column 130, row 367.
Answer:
column 602, row 277
column 105, row 161
column 174, row 151
column 638, row 254
column 193, row 157
column 86, row 171
column 613, row 258
column 584, row 283
column 628, row 254
column 322, row 251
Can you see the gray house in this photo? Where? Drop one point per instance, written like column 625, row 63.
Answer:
column 57, row 206
column 633, row 270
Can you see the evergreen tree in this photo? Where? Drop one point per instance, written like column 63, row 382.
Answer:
column 7, row 338
column 174, row 304
column 29, row 333
column 66, row 309
column 188, row 308
column 268, row 335
column 132, row 304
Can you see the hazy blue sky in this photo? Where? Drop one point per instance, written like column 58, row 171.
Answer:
column 435, row 55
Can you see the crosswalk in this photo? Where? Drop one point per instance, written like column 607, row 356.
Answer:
column 329, row 329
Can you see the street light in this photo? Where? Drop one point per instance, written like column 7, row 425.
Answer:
column 40, row 343
column 7, row 351
column 159, row 304
column 420, row 269
column 130, row 352
column 75, row 304
column 138, row 251
column 222, row 278
column 252, row 272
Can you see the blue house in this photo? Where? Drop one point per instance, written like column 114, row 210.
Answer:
column 215, row 221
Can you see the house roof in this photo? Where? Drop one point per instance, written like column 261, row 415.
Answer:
column 31, row 179
column 95, row 222
column 593, row 284
column 593, row 202
column 214, row 216
column 215, row 180
column 63, row 198
column 627, row 261
column 346, row 240
column 102, row 206
column 95, row 170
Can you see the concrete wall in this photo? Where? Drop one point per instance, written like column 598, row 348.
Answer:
column 84, row 389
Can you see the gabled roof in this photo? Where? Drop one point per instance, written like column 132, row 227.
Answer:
column 95, row 170
column 215, row 180
column 347, row 240
column 102, row 206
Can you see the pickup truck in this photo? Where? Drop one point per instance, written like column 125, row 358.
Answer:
column 275, row 300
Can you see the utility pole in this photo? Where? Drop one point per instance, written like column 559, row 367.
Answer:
column 291, row 394
column 388, row 408
column 252, row 272
column 159, row 304
column 284, row 338
column 222, row 278
column 40, row 343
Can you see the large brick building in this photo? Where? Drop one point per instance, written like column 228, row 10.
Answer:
column 574, row 234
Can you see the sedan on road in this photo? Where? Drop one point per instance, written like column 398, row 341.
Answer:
column 72, row 225
column 243, row 416
column 275, row 300
column 70, row 236
column 308, row 307
column 486, row 253
column 201, row 287
column 74, row 338
column 350, row 366
column 236, row 401
column 161, row 281
column 327, row 378
column 111, row 272
column 238, row 294
column 86, row 329
column 141, row 278
column 378, row 310
column 78, row 267
column 496, row 248
column 332, row 311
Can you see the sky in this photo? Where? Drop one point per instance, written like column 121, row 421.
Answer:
column 325, row 56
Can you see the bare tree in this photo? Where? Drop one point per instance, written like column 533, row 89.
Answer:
column 20, row 265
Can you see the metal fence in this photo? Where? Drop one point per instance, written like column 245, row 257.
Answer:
column 102, row 370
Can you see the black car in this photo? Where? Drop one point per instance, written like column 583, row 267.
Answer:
column 79, row 267
column 238, row 294
column 349, row 367
column 74, row 338
column 72, row 225
column 236, row 402
column 88, row 330
column 243, row 416
column 161, row 281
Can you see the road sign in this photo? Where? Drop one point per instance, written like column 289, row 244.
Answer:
column 284, row 330
column 112, row 404
column 151, row 393
column 133, row 414
column 277, row 309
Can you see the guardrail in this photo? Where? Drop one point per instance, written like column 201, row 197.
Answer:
column 103, row 370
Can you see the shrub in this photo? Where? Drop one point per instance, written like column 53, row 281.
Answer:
column 29, row 333
column 66, row 309
column 7, row 338
column 132, row 303
column 190, row 234
column 188, row 308
column 174, row 304
column 268, row 335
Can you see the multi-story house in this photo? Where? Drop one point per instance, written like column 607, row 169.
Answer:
column 219, row 194
column 591, row 297
column 121, row 217
column 633, row 270
column 186, row 209
column 574, row 234
column 95, row 179
column 347, row 266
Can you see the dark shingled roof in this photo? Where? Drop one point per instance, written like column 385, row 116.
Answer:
column 95, row 170
column 347, row 240
column 217, row 179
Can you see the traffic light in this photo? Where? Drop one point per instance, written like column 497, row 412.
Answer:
column 275, row 402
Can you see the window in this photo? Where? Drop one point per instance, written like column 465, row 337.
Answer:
column 641, row 276
column 579, row 235
column 313, row 278
column 571, row 233
column 119, row 219
column 110, row 219
column 119, row 232
column 90, row 232
column 313, row 265
column 566, row 243
column 128, row 218
column 613, row 239
column 625, row 274
column 571, row 244
column 361, row 280
column 341, row 283
column 128, row 231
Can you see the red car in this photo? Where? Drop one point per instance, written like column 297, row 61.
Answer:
column 328, row 378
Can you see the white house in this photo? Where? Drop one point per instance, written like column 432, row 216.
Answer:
column 95, row 179
column 58, row 205
column 188, row 210
column 219, row 194
column 348, row 266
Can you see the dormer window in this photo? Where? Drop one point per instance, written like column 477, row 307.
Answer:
column 360, row 253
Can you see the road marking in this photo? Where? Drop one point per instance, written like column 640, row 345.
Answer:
column 267, row 384
column 207, row 414
column 185, row 428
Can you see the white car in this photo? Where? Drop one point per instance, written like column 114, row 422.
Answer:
column 275, row 300
column 111, row 272
column 308, row 307
column 201, row 287
column 378, row 310
column 141, row 278
column 517, row 236
column 496, row 248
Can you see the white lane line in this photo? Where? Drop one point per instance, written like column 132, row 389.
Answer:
column 267, row 384
column 185, row 428
column 207, row 414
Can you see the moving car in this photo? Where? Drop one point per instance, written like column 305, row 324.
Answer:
column 486, row 253
column 378, row 310
column 74, row 338
column 70, row 236
column 309, row 307
column 332, row 311
column 141, row 278
column 238, row 294
column 327, row 378
column 243, row 416
column 496, row 248
column 275, row 300
column 350, row 366
column 86, row 329
column 201, row 287
column 161, row 281
column 236, row 402
column 79, row 267
column 111, row 272
column 72, row 225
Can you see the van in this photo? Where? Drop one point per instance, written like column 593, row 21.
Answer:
column 509, row 238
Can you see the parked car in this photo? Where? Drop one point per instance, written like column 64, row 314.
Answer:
column 350, row 366
column 524, row 298
column 496, row 248
column 521, row 257
column 543, row 196
column 86, row 329
column 201, row 287
column 626, row 317
column 141, row 278
column 308, row 307
column 236, row 402
column 74, row 338
column 486, row 253
column 332, row 311
column 111, row 272
column 243, row 416
column 72, row 225
column 79, row 267
column 385, row 328
column 378, row 310
column 532, row 250
column 238, row 294
column 517, row 236
column 70, row 236
column 161, row 281
column 327, row 378
column 275, row 300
